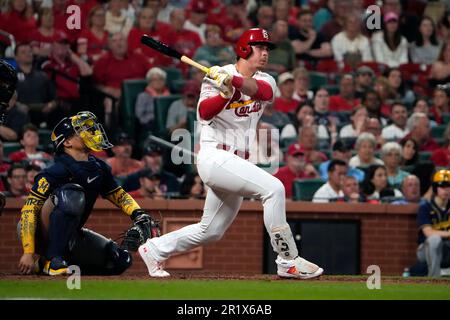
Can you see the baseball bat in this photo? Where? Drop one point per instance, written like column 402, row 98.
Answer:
column 168, row 51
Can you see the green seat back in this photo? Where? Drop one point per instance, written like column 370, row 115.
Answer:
column 424, row 155
column 191, row 118
column 332, row 89
column 45, row 137
column 162, row 105
column 303, row 190
column 438, row 131
column 446, row 117
column 317, row 80
column 130, row 90
column 173, row 75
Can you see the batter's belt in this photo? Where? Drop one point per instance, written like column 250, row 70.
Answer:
column 243, row 154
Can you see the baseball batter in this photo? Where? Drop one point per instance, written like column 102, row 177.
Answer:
column 231, row 102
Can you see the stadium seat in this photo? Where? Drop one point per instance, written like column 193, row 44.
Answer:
column 317, row 80
column 327, row 66
column 45, row 137
column 130, row 91
column 332, row 89
column 424, row 156
column 303, row 190
column 438, row 131
column 446, row 117
column 10, row 147
column 173, row 74
column 162, row 105
column 286, row 142
column 191, row 118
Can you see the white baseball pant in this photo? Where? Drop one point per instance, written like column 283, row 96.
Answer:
column 230, row 178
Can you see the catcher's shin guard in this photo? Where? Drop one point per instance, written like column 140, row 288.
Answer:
column 283, row 242
column 69, row 201
column 97, row 255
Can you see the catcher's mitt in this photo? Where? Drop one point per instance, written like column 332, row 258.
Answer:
column 144, row 227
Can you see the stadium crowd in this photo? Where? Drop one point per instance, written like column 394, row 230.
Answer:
column 361, row 113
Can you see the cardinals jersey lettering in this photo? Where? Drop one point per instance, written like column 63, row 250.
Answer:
column 235, row 125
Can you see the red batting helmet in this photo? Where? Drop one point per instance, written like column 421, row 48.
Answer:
column 252, row 36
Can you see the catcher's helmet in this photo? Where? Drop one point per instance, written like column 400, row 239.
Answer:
column 250, row 37
column 441, row 179
column 85, row 125
column 8, row 81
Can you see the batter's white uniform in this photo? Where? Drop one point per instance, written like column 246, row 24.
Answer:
column 230, row 177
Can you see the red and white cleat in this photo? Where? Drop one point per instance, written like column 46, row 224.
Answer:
column 155, row 268
column 298, row 268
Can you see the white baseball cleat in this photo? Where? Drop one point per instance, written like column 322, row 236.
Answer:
column 298, row 268
column 155, row 268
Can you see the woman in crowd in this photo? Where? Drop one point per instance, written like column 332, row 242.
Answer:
column 94, row 39
column 440, row 70
column 18, row 20
column 303, row 116
column 399, row 92
column 441, row 103
column 116, row 20
column 376, row 186
column 391, row 154
column 425, row 49
column 145, row 103
column 358, row 120
column 410, row 152
column 389, row 46
column 45, row 34
column 365, row 152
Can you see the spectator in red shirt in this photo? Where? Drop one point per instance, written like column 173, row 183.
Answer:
column 234, row 21
column 285, row 102
column 296, row 168
column 345, row 100
column 118, row 65
column 198, row 13
column 420, row 130
column 308, row 141
column 59, row 14
column 184, row 41
column 18, row 20
column 29, row 139
column 93, row 41
column 64, row 68
column 85, row 8
column 441, row 104
column 147, row 24
column 122, row 164
column 44, row 36
column 441, row 156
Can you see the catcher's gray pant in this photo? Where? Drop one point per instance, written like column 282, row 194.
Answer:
column 430, row 252
column 229, row 179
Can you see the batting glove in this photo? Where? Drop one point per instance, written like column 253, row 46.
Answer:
column 222, row 80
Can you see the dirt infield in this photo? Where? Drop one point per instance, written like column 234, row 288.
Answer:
column 213, row 276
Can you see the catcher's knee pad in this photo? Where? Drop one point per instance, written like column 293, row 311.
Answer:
column 98, row 255
column 69, row 201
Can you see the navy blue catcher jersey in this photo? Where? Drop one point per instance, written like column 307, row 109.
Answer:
column 94, row 175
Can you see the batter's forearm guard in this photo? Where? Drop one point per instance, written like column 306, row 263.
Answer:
column 123, row 200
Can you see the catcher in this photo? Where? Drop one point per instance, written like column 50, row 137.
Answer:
column 60, row 202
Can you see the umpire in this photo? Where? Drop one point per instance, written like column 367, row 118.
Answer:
column 61, row 200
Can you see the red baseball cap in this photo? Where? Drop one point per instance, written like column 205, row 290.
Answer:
column 295, row 149
column 200, row 6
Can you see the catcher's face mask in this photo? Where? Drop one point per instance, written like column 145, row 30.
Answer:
column 87, row 128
